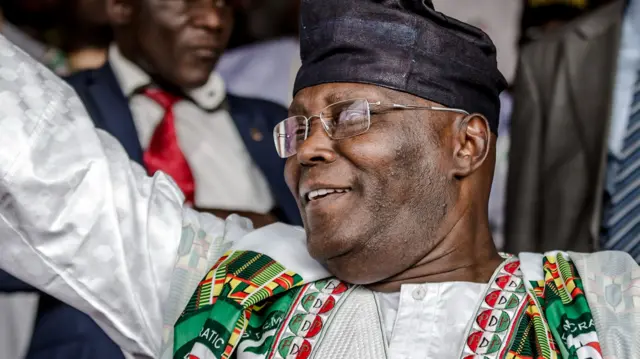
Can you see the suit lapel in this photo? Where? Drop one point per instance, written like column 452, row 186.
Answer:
column 112, row 111
column 591, row 61
column 255, row 129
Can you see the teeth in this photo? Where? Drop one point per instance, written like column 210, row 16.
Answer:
column 323, row 192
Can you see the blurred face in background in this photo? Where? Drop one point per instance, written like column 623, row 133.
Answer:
column 176, row 41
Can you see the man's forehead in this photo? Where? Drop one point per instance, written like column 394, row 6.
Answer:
column 312, row 99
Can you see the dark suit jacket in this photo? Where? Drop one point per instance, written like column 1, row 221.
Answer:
column 559, row 133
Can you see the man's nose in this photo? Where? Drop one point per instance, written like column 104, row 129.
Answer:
column 318, row 148
column 210, row 16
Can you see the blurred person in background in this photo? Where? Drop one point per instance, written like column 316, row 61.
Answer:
column 538, row 17
column 85, row 34
column 159, row 96
column 574, row 177
column 265, row 64
column 541, row 16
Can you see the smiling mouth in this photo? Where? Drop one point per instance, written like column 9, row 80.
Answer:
column 324, row 192
column 204, row 52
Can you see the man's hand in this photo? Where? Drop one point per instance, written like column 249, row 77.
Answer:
column 259, row 220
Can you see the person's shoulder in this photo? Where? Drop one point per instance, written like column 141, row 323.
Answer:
column 606, row 261
column 601, row 256
column 589, row 25
column 80, row 76
column 85, row 77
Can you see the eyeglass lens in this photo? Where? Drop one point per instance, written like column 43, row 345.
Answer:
column 340, row 120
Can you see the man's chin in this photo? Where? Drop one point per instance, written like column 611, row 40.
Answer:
column 195, row 76
column 348, row 270
column 326, row 248
column 339, row 259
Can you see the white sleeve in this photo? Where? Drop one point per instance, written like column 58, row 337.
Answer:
column 80, row 222
column 611, row 283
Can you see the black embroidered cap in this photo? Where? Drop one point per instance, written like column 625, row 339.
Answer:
column 403, row 45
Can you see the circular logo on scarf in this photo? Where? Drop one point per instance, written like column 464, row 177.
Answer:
column 318, row 303
column 502, row 300
column 200, row 351
column 294, row 348
column 484, row 343
column 495, row 321
column 305, row 325
column 512, row 267
column 510, row 283
column 331, row 286
column 591, row 351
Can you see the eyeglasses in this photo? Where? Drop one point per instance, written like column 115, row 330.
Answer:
column 340, row 120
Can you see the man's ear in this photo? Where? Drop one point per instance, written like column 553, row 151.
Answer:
column 472, row 142
column 119, row 12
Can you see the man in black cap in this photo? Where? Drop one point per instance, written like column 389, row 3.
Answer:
column 390, row 156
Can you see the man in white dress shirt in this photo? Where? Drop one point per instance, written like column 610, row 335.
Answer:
column 390, row 156
column 159, row 95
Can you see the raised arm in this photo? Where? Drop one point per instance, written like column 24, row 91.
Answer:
column 79, row 221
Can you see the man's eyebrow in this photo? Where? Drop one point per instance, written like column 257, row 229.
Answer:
column 297, row 108
column 334, row 97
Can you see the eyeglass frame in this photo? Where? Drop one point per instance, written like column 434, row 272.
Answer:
column 392, row 106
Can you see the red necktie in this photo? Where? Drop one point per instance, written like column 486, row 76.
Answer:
column 164, row 153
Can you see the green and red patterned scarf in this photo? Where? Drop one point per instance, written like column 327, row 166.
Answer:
column 250, row 303
column 559, row 315
column 243, row 294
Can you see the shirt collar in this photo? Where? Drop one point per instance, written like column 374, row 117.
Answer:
column 132, row 78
